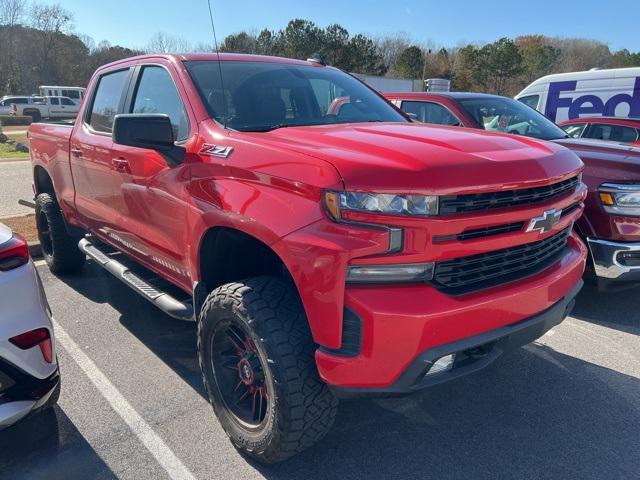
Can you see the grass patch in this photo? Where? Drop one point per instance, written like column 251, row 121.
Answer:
column 15, row 134
column 9, row 151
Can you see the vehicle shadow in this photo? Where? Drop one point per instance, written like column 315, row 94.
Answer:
column 617, row 310
column 536, row 413
column 48, row 445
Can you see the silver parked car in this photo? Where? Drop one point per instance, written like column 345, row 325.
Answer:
column 29, row 376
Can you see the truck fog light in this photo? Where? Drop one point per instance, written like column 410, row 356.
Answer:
column 413, row 272
column 443, row 364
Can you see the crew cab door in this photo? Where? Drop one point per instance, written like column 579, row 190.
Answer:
column 91, row 156
column 149, row 187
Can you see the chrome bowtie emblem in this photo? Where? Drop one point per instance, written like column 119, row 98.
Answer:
column 545, row 222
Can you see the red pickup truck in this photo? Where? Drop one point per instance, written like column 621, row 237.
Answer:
column 323, row 251
column 611, row 223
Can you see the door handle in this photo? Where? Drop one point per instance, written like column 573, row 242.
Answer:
column 76, row 152
column 121, row 164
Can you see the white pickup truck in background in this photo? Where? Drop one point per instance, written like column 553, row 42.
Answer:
column 38, row 107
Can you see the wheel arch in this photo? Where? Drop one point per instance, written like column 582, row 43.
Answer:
column 42, row 181
column 227, row 254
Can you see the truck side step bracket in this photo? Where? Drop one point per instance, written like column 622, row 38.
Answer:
column 160, row 298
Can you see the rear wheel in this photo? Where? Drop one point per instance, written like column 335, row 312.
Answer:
column 35, row 115
column 257, row 360
column 59, row 249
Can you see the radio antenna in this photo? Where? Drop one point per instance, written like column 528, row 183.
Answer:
column 215, row 41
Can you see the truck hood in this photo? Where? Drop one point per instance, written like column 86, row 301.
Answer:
column 412, row 157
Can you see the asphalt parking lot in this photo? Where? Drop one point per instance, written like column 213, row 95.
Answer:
column 133, row 405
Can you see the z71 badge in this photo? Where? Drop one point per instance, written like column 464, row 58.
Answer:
column 216, row 150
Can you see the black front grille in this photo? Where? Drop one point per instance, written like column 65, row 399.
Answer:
column 510, row 198
column 481, row 232
column 475, row 272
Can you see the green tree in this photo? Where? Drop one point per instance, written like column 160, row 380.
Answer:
column 410, row 63
column 539, row 58
column 495, row 64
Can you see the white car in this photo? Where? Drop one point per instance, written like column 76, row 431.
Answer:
column 29, row 376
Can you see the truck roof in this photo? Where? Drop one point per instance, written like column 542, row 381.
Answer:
column 229, row 57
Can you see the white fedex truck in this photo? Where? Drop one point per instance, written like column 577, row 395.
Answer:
column 595, row 93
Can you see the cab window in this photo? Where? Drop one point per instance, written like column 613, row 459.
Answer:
column 156, row 93
column 71, row 94
column 68, row 102
column 530, row 101
column 614, row 133
column 574, row 130
column 54, row 101
column 429, row 112
column 106, row 100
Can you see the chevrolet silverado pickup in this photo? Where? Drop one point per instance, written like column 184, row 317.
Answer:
column 323, row 251
column 611, row 222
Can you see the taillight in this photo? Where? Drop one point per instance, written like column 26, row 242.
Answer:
column 13, row 253
column 39, row 337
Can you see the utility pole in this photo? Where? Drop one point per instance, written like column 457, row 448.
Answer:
column 424, row 69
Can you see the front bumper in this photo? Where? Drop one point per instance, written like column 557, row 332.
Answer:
column 21, row 393
column 398, row 324
column 472, row 353
column 607, row 262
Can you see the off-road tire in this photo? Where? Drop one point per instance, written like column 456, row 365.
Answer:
column 303, row 409
column 59, row 249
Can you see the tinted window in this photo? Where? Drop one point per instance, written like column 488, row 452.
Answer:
column 500, row 114
column 615, row 133
column 574, row 130
column 530, row 101
column 66, row 101
column 156, row 93
column 429, row 112
column 106, row 100
column 18, row 100
column 54, row 101
column 261, row 96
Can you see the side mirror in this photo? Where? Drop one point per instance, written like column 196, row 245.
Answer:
column 153, row 132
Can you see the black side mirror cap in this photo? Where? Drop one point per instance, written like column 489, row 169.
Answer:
column 151, row 131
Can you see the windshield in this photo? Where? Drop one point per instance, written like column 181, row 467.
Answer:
column 498, row 114
column 263, row 96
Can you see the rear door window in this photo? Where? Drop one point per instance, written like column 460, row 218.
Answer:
column 429, row 112
column 612, row 132
column 106, row 101
column 54, row 101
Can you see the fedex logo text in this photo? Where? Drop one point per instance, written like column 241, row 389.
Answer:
column 589, row 104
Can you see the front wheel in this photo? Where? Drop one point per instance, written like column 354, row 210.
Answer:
column 257, row 360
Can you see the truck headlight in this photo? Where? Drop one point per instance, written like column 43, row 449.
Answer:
column 399, row 273
column 385, row 203
column 620, row 198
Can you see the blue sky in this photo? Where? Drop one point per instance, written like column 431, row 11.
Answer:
column 132, row 22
